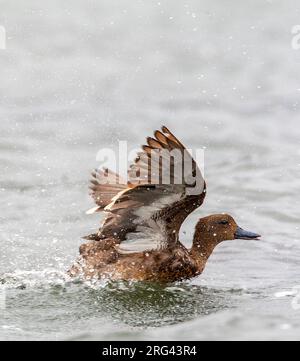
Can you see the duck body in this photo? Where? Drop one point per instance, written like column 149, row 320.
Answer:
column 166, row 265
column 139, row 237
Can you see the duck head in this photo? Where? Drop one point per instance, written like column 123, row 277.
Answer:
column 221, row 227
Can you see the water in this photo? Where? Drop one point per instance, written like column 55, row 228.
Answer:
column 81, row 75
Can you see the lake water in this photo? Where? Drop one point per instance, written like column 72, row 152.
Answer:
column 78, row 76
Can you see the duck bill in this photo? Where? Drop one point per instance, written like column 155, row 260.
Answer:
column 240, row 233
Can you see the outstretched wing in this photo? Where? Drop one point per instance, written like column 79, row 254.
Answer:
column 166, row 185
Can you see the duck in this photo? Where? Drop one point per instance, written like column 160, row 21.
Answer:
column 139, row 236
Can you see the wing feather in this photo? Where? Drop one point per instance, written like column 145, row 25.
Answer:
column 104, row 185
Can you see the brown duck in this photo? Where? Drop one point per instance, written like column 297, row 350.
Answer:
column 139, row 237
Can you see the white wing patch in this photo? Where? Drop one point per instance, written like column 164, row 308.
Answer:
column 146, row 212
column 143, row 239
column 149, row 234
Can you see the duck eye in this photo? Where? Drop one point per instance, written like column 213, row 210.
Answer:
column 223, row 222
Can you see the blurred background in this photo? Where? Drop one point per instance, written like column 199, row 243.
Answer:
column 77, row 76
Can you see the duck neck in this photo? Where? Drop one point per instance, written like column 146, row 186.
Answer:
column 202, row 248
